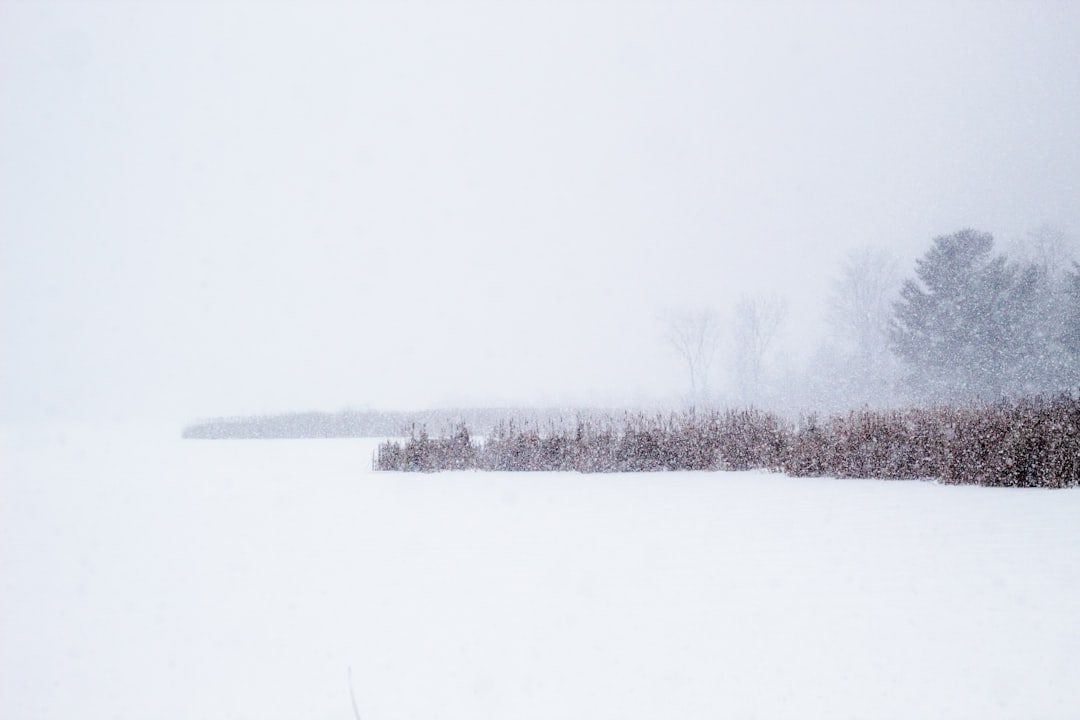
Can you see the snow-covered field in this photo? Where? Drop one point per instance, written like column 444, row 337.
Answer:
column 142, row 576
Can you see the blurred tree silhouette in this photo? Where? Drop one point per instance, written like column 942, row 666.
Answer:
column 972, row 325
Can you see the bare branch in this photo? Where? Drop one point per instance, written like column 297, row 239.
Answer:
column 757, row 322
column 352, row 696
column 694, row 337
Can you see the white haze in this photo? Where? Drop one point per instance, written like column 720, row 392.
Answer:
column 224, row 208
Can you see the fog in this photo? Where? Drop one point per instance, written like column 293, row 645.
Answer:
column 257, row 207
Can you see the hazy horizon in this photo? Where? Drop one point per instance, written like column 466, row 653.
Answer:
column 225, row 209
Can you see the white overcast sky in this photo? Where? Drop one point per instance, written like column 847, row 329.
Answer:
column 233, row 207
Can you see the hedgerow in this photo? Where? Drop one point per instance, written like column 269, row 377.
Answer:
column 1032, row 442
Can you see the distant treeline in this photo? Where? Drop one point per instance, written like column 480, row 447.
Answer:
column 367, row 423
column 1033, row 442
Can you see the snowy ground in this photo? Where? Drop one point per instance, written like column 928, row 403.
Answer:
column 142, row 576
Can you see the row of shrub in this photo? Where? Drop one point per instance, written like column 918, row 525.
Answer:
column 1033, row 442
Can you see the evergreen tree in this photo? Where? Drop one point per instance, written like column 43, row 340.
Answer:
column 972, row 325
column 950, row 327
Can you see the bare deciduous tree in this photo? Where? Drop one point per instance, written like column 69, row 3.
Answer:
column 1047, row 247
column 694, row 336
column 860, row 312
column 861, row 303
column 757, row 322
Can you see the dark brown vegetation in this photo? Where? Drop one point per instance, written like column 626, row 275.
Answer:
column 1033, row 442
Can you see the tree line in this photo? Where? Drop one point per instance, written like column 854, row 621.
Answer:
column 974, row 324
column 970, row 323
